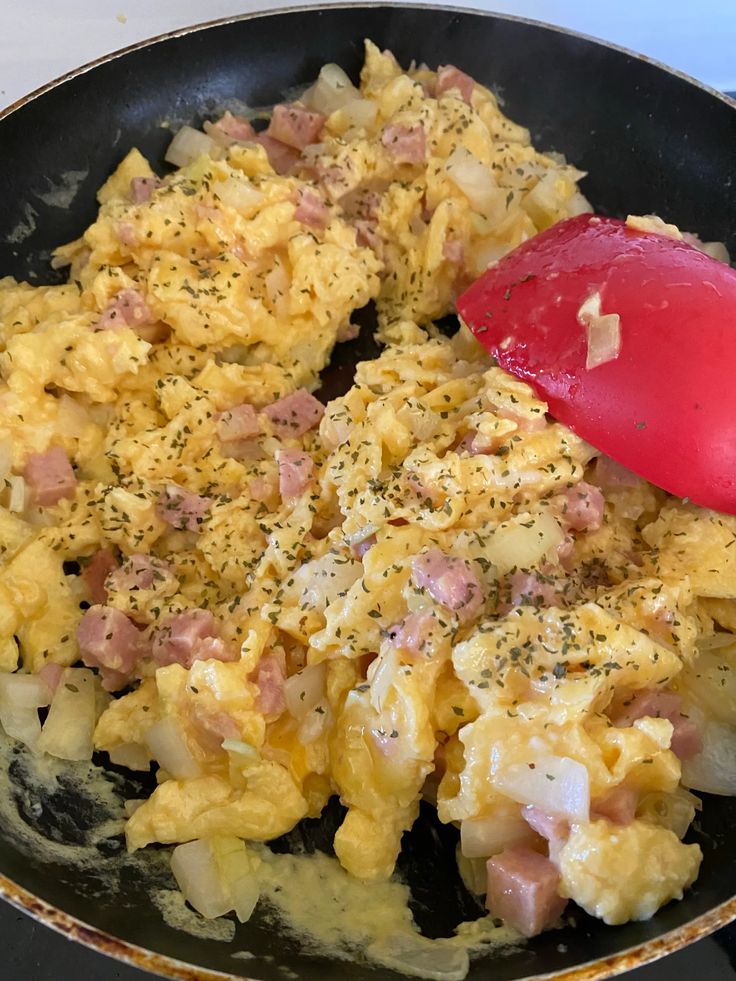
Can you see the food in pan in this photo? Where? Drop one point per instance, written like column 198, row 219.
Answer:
column 426, row 588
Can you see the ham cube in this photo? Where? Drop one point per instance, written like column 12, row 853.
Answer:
column 141, row 188
column 127, row 309
column 138, row 572
column 450, row 581
column 50, row 476
column 230, row 128
column 583, row 507
column 414, row 633
column 296, row 470
column 295, row 414
column 522, row 890
column 609, row 473
column 238, row 423
column 96, row 572
column 311, row 210
column 282, row 158
column 183, row 509
column 269, row 676
column 453, row 250
column 661, row 704
column 295, row 126
column 183, row 638
column 531, row 589
column 405, row 144
column 110, row 642
column 550, row 826
column 450, row 78
column 618, row 806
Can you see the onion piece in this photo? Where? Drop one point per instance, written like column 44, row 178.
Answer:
column 134, row 756
column 603, row 332
column 187, row 145
column 484, row 837
column 17, row 495
column 304, row 690
column 332, row 90
column 555, row 784
column 236, row 867
column 315, row 723
column 382, row 675
column 21, row 696
column 420, row 958
column 713, row 770
column 523, row 542
column 169, row 748
column 473, row 872
column 476, row 182
column 237, row 193
column 69, row 726
column 196, row 873
column 324, row 580
column 672, row 811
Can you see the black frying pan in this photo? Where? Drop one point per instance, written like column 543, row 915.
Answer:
column 651, row 140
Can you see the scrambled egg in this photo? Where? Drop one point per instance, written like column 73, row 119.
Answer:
column 446, row 601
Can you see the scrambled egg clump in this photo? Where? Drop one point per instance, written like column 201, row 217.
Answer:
column 426, row 588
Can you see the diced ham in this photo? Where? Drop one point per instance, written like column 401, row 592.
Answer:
column 96, row 571
column 182, row 509
column 608, row 473
column 295, row 126
column 347, row 332
column 141, row 188
column 555, row 829
column 137, row 572
column 127, row 234
column 619, row 806
column 449, row 77
column 294, row 414
column 413, row 633
column 282, row 158
column 51, row 674
column 263, row 487
column 127, row 309
column 240, row 422
column 661, row 704
column 523, row 890
column 50, row 476
column 296, row 470
column 530, row 588
column 366, row 545
column 110, row 642
column 311, row 210
column 583, row 507
column 405, row 144
column 269, row 676
column 232, row 127
column 453, row 250
column 184, row 638
column 213, row 727
column 366, row 233
column 449, row 580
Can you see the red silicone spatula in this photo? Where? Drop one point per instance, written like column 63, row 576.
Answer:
column 662, row 399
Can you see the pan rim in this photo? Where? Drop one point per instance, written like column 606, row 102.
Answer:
column 161, row 964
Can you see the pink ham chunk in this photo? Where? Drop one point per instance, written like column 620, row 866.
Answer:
column 127, row 309
column 311, row 210
column 449, row 580
column 608, row 473
column 522, row 890
column 366, row 233
column 583, row 507
column 238, row 423
column 51, row 673
column 662, row 704
column 264, row 487
column 127, row 234
column 50, row 476
column 360, row 548
column 231, row 128
column 295, row 126
column 530, row 589
column 296, row 470
column 449, row 77
column 453, row 250
column 214, row 727
column 555, row 829
column 138, row 572
column 405, row 144
column 96, row 572
column 184, row 638
column 183, row 509
column 141, row 188
column 414, row 633
column 110, row 642
column 282, row 158
column 295, row 414
column 269, row 676
column 619, row 806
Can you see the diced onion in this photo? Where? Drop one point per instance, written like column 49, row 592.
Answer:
column 21, row 696
column 603, row 332
column 17, row 495
column 420, row 958
column 70, row 724
column 325, row 579
column 196, row 874
column 304, row 690
column 523, row 542
column 20, row 723
column 244, row 750
column 187, row 145
column 315, row 723
column 360, row 113
column 237, row 193
column 475, row 180
column 421, row 422
column 168, row 747
column 554, row 784
column 131, row 755
column 382, row 675
column 332, row 90
column 473, row 872
column 672, row 811
column 483, row 837
column 713, row 770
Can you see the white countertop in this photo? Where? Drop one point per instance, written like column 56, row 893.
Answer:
column 42, row 39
